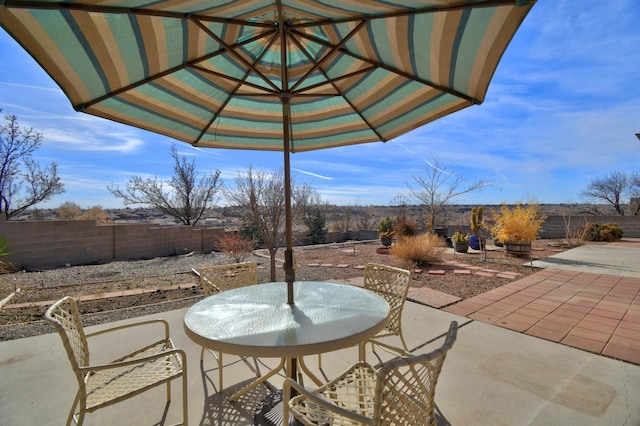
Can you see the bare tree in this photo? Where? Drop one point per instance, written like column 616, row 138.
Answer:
column 439, row 185
column 261, row 194
column 186, row 200
column 365, row 218
column 634, row 193
column 23, row 183
column 611, row 189
column 342, row 219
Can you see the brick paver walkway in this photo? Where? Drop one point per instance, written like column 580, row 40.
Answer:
column 594, row 312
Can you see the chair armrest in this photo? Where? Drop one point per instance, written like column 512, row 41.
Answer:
column 136, row 324
column 178, row 352
column 316, row 399
column 394, row 349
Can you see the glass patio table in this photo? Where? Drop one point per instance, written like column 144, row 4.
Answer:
column 256, row 321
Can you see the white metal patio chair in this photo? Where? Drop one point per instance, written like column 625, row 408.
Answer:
column 400, row 392
column 102, row 385
column 393, row 285
column 226, row 277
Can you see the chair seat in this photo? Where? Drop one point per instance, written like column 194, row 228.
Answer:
column 353, row 390
column 222, row 278
column 400, row 392
column 109, row 384
column 100, row 385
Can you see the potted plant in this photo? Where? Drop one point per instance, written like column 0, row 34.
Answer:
column 475, row 240
column 516, row 227
column 385, row 231
column 460, row 242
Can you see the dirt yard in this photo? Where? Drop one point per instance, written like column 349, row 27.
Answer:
column 169, row 283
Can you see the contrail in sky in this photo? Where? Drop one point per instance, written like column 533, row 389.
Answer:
column 312, row 174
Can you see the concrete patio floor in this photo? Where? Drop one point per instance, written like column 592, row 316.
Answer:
column 494, row 375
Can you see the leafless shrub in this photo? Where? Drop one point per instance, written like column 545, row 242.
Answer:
column 235, row 246
column 574, row 236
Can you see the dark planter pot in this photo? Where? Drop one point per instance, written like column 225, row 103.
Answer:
column 386, row 241
column 441, row 232
column 475, row 242
column 518, row 248
column 461, row 246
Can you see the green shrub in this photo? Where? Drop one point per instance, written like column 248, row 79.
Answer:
column 5, row 266
column 601, row 231
column 385, row 229
column 422, row 249
column 317, row 226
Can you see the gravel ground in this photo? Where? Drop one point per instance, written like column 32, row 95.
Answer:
column 158, row 274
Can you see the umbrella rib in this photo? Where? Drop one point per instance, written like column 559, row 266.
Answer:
column 331, row 80
column 340, row 92
column 117, row 92
column 396, row 14
column 235, row 90
column 399, row 72
column 332, row 50
column 21, row 4
column 236, row 80
column 189, row 64
column 240, row 82
column 239, row 57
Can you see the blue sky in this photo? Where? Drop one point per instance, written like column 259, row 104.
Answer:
column 563, row 108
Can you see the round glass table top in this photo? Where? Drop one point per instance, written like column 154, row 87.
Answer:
column 256, row 320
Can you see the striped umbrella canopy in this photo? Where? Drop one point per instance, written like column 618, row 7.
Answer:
column 285, row 75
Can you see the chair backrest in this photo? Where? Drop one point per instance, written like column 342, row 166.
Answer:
column 406, row 387
column 225, row 277
column 393, row 285
column 65, row 318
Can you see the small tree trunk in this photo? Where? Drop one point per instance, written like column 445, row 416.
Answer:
column 272, row 257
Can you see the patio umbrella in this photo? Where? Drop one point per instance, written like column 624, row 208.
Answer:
column 284, row 75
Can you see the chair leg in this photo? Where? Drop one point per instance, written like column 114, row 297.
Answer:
column 80, row 419
column 404, row 344
column 220, row 371
column 71, row 418
column 258, row 381
column 362, row 351
column 219, row 359
column 185, row 406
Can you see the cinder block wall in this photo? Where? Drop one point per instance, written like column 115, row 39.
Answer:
column 37, row 244
column 555, row 227
column 43, row 244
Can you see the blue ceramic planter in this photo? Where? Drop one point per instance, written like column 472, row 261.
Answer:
column 474, row 242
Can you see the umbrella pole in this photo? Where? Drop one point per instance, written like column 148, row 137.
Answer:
column 289, row 273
